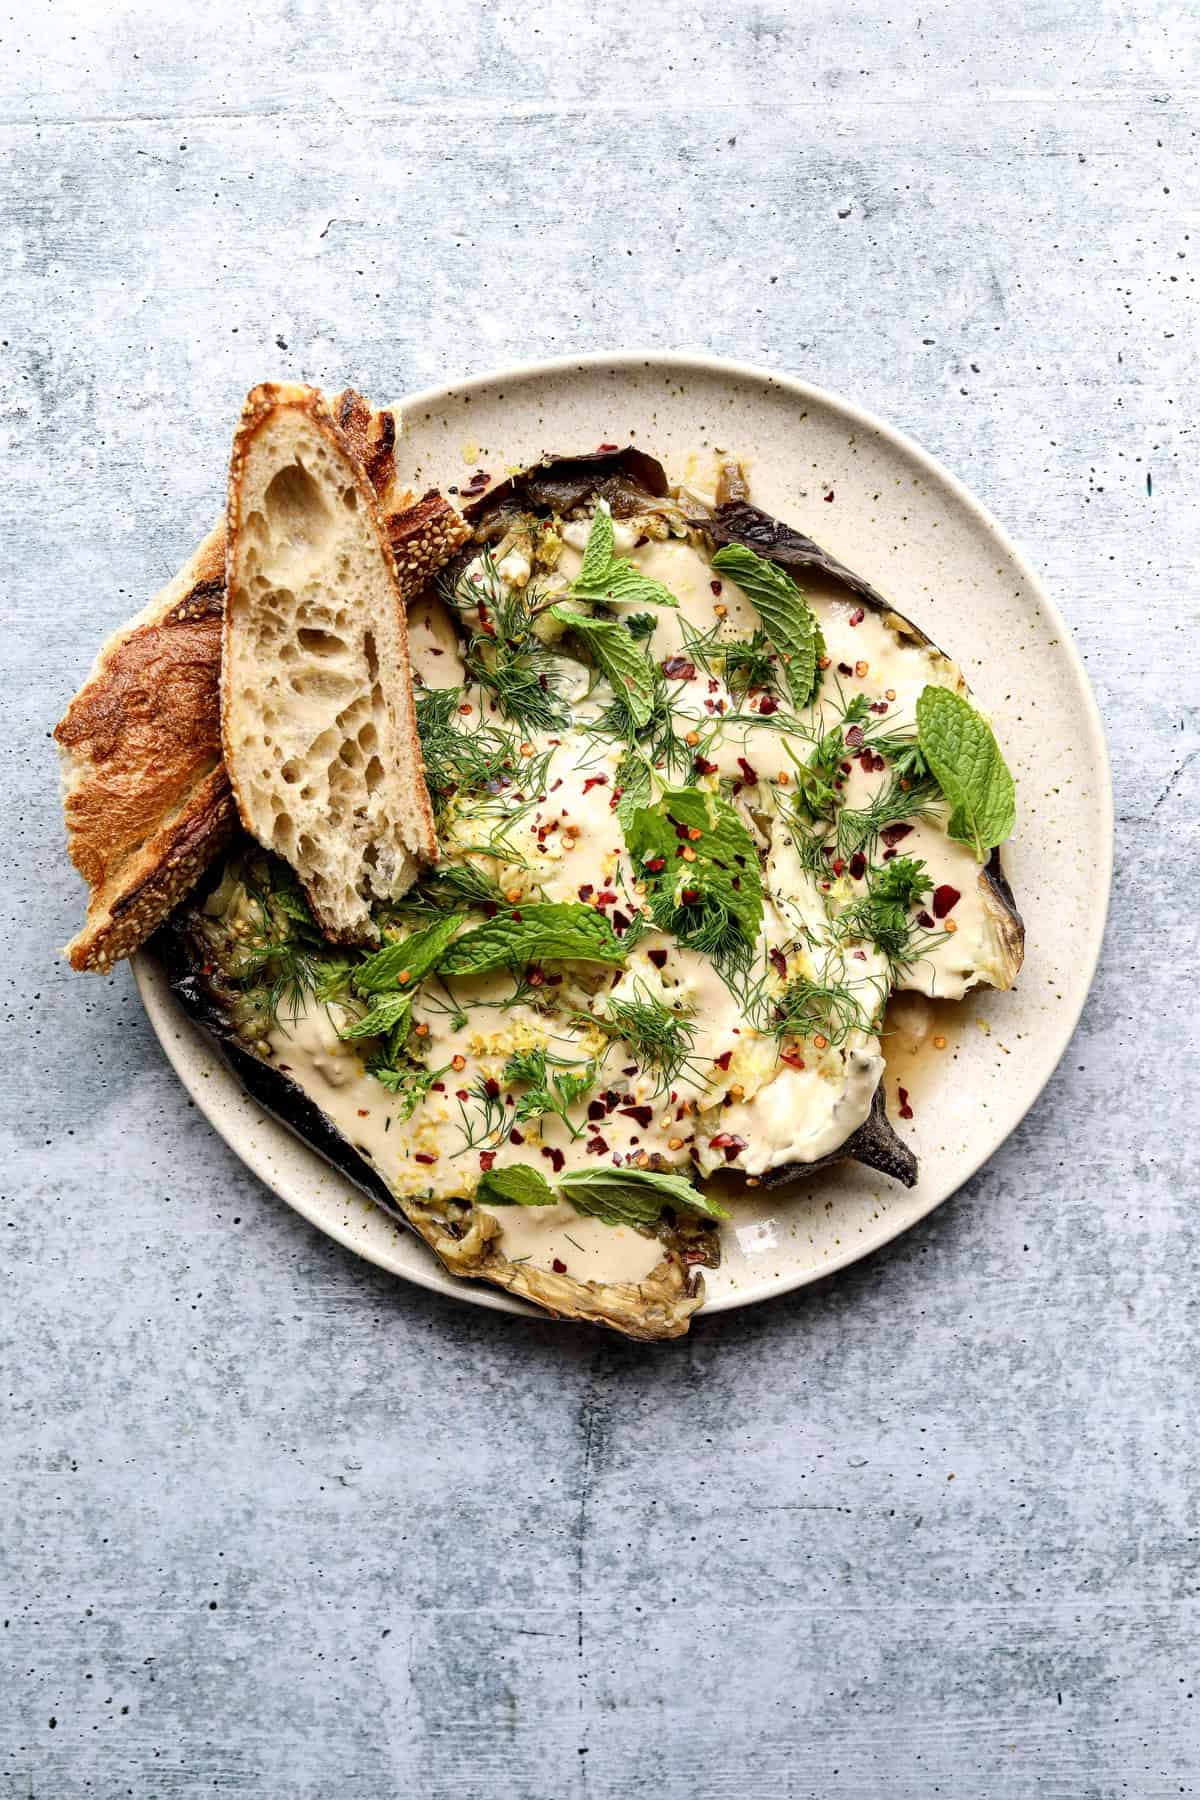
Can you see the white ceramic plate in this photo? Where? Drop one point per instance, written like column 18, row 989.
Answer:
column 902, row 521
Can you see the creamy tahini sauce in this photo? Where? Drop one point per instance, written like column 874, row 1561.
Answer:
column 568, row 846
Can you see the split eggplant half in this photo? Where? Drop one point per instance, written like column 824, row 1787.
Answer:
column 333, row 1054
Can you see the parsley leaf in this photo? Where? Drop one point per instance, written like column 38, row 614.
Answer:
column 542, row 931
column 965, row 761
column 547, row 1092
column 789, row 624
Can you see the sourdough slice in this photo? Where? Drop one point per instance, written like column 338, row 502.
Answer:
column 146, row 799
column 145, row 795
column 317, row 717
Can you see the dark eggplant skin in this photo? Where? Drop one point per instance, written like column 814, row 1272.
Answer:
column 183, row 959
column 626, row 478
column 737, row 522
column 875, row 1144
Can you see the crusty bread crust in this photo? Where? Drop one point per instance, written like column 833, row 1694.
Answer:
column 146, row 798
column 282, row 559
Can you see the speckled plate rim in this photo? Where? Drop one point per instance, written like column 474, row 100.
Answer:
column 194, row 1061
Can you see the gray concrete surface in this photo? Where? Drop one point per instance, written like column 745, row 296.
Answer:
column 276, row 1525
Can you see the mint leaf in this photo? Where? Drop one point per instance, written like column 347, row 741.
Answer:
column 789, row 624
column 965, row 761
column 598, row 552
column 517, row 1185
column 633, row 779
column 407, row 962
column 634, row 1196
column 388, row 1012
column 604, row 576
column 543, row 931
column 618, row 657
column 706, row 888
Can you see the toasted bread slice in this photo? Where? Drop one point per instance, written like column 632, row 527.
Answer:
column 146, row 797
column 317, row 717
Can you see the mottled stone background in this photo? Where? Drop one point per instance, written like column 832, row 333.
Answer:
column 277, row 1525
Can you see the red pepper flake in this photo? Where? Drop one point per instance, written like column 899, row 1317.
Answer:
column 749, row 772
column 878, row 764
column 767, row 705
column 515, row 916
column 641, row 1115
column 854, row 737
column 792, row 1058
column 596, row 1146
column 945, row 899
column 678, row 668
column 461, row 1094
column 866, row 762
column 888, row 855
column 604, row 449
column 491, row 1088
column 423, row 1156
column 586, row 891
column 839, row 863
column 595, row 781
column 596, row 1109
column 860, row 956
column 724, row 1059
column 620, row 923
column 857, row 617
column 906, row 1111
column 828, row 497
column 438, row 1087
column 559, row 1266
column 858, row 865
column 845, row 767
column 729, row 1143
column 715, row 586
column 606, row 897
column 535, row 978
column 779, row 964
column 892, row 834
column 655, row 864
column 879, row 707
column 689, row 896
column 702, row 766
column 713, row 686
column 924, row 920
column 555, row 1157
column 657, row 957
column 516, row 1136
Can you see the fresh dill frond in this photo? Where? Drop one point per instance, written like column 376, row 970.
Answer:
column 660, row 1040
column 898, row 801
column 503, row 653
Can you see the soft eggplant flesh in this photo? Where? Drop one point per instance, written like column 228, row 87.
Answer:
column 746, row 1100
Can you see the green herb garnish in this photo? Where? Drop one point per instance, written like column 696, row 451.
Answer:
column 701, row 872
column 634, row 1196
column 617, row 657
column 603, row 575
column 543, row 931
column 964, row 758
column 787, row 620
column 516, row 1185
